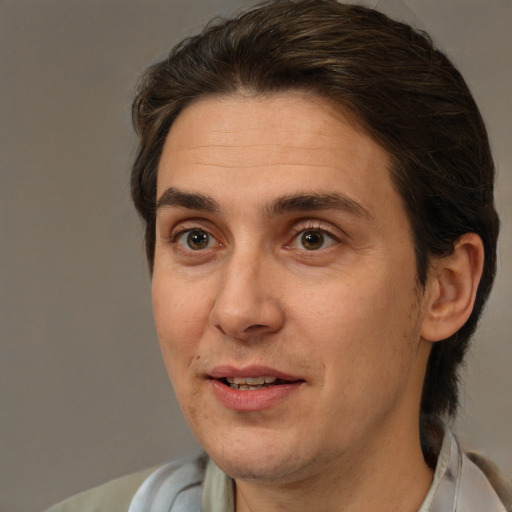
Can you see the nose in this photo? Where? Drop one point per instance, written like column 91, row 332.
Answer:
column 246, row 307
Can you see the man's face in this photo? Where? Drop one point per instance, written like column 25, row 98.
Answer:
column 284, row 286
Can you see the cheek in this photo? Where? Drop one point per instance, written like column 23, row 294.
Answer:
column 181, row 315
column 365, row 330
column 179, row 320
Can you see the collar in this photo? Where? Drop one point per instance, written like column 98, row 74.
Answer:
column 458, row 484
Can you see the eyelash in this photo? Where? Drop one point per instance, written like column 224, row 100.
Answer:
column 176, row 236
column 314, row 228
column 299, row 229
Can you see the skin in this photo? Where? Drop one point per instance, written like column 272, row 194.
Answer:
column 347, row 316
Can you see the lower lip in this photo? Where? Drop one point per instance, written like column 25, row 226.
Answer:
column 255, row 400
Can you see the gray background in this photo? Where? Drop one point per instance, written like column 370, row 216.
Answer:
column 83, row 394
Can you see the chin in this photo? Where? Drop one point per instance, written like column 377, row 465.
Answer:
column 260, row 469
column 266, row 459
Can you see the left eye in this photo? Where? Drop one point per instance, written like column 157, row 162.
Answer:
column 195, row 239
column 312, row 240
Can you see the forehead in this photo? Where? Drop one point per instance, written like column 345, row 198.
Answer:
column 277, row 145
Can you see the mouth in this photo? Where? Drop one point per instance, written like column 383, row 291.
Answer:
column 253, row 383
column 254, row 388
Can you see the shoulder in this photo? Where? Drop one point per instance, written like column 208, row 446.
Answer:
column 114, row 496
column 502, row 486
column 142, row 490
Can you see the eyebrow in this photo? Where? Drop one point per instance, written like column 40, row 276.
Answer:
column 315, row 202
column 175, row 198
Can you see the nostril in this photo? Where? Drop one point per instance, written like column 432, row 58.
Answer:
column 256, row 327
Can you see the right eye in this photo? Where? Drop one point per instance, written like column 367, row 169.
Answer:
column 195, row 240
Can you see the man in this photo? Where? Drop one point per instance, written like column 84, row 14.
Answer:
column 317, row 189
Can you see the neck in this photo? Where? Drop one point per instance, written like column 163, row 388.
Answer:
column 390, row 476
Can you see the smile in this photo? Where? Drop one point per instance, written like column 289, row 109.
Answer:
column 251, row 383
column 252, row 388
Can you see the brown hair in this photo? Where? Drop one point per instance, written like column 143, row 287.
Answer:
column 405, row 94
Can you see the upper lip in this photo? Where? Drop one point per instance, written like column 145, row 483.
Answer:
column 223, row 371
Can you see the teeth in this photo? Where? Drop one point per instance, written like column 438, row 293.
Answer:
column 251, row 381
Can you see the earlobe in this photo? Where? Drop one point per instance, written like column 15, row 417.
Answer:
column 452, row 288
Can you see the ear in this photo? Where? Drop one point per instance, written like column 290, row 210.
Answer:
column 452, row 287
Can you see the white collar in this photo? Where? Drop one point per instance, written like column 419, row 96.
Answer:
column 458, row 484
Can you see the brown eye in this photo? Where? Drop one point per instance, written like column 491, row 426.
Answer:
column 312, row 240
column 197, row 239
